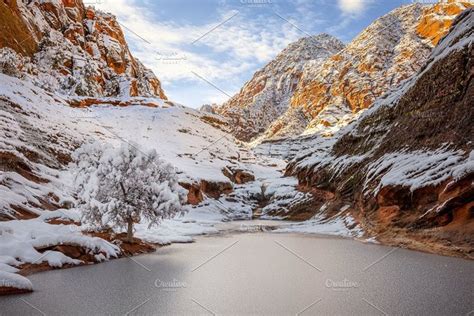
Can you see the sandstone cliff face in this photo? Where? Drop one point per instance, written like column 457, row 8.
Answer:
column 11, row 23
column 437, row 19
column 63, row 46
column 390, row 50
column 266, row 96
column 405, row 166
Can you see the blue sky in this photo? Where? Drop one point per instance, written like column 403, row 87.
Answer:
column 205, row 50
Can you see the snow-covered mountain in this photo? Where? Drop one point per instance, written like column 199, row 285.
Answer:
column 267, row 95
column 327, row 90
column 65, row 47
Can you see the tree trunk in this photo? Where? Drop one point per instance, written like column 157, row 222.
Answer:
column 130, row 230
column 130, row 219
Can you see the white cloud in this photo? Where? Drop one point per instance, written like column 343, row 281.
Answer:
column 240, row 43
column 352, row 6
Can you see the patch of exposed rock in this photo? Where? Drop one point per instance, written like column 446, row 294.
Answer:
column 238, row 175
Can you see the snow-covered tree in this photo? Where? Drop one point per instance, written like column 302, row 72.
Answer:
column 117, row 187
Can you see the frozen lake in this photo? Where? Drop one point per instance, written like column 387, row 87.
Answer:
column 257, row 273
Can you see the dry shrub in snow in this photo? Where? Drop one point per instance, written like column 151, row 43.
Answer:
column 10, row 62
column 117, row 187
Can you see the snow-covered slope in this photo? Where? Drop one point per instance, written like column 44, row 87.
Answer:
column 267, row 95
column 65, row 47
column 38, row 133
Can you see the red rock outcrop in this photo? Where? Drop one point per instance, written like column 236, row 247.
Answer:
column 437, row 19
column 213, row 189
column 238, row 175
column 11, row 23
column 83, row 51
column 194, row 193
column 266, row 96
column 83, row 102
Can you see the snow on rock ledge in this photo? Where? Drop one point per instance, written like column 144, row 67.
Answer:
column 11, row 283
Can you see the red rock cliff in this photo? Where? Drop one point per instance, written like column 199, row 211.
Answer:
column 76, row 49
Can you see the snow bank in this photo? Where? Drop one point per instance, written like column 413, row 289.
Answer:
column 11, row 280
column 173, row 231
column 20, row 239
